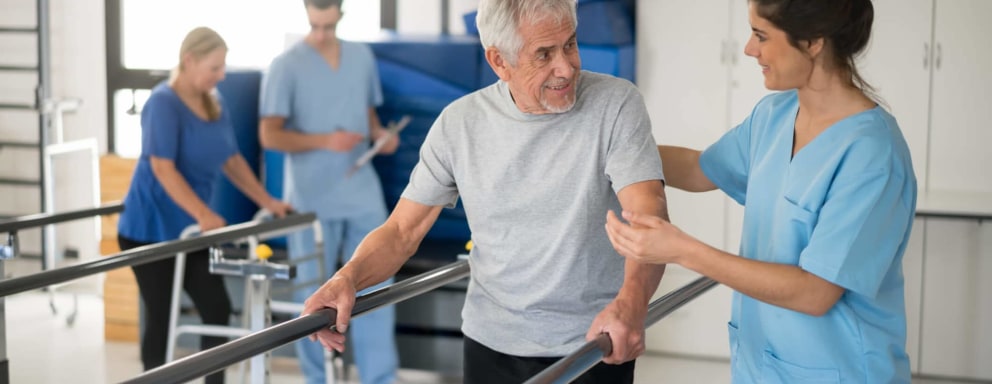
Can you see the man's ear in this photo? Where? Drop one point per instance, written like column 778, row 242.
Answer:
column 498, row 63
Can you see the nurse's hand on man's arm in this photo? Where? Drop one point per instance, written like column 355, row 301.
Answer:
column 656, row 241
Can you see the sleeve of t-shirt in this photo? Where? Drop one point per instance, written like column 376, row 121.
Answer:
column 160, row 121
column 432, row 181
column 727, row 162
column 276, row 95
column 862, row 225
column 632, row 155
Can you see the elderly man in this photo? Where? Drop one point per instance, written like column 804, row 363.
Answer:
column 538, row 159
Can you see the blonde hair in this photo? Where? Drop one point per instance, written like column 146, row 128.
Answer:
column 199, row 43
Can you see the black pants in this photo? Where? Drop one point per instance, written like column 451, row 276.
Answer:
column 155, row 284
column 485, row 366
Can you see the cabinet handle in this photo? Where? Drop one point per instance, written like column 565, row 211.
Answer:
column 723, row 52
column 939, row 56
column 734, row 55
column 926, row 55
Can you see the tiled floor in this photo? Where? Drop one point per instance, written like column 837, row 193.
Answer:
column 43, row 348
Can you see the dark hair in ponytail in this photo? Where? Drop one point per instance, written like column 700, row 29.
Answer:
column 845, row 26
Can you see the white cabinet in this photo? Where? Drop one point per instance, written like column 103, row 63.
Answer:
column 897, row 63
column 683, row 77
column 697, row 84
column 912, row 271
column 930, row 60
column 955, row 337
column 960, row 108
column 700, row 327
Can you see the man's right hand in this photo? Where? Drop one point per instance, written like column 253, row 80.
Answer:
column 337, row 293
column 342, row 141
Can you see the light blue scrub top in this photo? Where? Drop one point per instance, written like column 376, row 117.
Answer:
column 841, row 209
column 315, row 98
column 199, row 149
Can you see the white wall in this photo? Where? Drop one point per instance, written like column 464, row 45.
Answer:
column 78, row 71
column 424, row 16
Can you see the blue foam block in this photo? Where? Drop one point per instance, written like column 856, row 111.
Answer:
column 401, row 80
column 239, row 91
column 453, row 59
column 272, row 179
column 617, row 61
column 601, row 22
column 604, row 23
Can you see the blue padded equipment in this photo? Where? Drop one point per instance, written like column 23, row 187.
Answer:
column 446, row 58
column 239, row 90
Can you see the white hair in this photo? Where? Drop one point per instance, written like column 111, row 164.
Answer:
column 499, row 21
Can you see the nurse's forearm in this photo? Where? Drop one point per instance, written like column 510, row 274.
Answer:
column 682, row 170
column 272, row 133
column 786, row 286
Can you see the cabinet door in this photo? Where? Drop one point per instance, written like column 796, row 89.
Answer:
column 897, row 63
column 955, row 340
column 682, row 74
column 962, row 89
column 912, row 271
column 699, row 328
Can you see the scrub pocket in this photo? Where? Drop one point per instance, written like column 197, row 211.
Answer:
column 776, row 371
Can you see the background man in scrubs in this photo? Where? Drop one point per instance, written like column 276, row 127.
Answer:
column 318, row 104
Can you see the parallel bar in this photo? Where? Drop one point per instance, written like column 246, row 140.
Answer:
column 150, row 253
column 215, row 359
column 23, row 182
column 43, row 219
column 18, row 144
column 574, row 365
column 19, row 29
column 26, row 107
column 954, row 215
column 25, row 68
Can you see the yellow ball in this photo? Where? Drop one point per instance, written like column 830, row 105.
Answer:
column 263, row 251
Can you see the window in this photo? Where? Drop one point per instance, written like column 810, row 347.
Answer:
column 145, row 45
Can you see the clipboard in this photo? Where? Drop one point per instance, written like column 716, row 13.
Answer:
column 392, row 129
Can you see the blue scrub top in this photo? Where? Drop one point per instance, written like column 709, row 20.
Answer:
column 314, row 98
column 841, row 209
column 170, row 130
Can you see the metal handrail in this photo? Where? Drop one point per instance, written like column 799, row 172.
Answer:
column 43, row 219
column 151, row 253
column 575, row 364
column 215, row 359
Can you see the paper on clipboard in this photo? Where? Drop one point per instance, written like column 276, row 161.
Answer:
column 392, row 129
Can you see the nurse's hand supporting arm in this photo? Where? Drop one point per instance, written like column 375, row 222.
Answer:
column 652, row 240
column 379, row 256
column 682, row 170
column 623, row 319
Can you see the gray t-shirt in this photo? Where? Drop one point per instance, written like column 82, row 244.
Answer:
column 536, row 189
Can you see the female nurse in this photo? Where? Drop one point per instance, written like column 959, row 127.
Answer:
column 829, row 196
column 187, row 141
